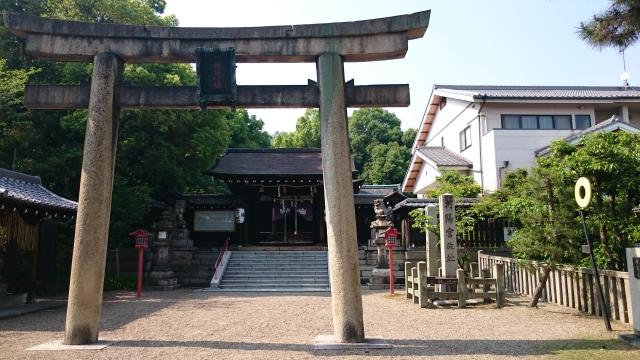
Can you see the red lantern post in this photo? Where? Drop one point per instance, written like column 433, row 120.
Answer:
column 391, row 241
column 141, row 238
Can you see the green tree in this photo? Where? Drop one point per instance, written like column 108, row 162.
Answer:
column 306, row 135
column 544, row 207
column 381, row 150
column 246, row 130
column 388, row 164
column 611, row 161
column 138, row 12
column 159, row 151
column 453, row 182
column 542, row 204
column 618, row 26
column 369, row 127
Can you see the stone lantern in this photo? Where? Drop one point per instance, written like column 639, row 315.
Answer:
column 380, row 272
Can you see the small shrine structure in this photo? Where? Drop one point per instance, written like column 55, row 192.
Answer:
column 24, row 204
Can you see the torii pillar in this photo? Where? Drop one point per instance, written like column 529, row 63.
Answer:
column 94, row 204
column 346, row 300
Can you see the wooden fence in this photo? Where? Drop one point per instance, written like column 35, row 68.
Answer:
column 485, row 233
column 567, row 286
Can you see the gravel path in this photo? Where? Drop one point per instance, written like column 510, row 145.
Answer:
column 189, row 324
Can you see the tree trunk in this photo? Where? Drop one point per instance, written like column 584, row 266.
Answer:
column 554, row 238
column 541, row 285
column 616, row 236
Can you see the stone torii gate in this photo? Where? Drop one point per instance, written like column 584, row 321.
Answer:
column 109, row 46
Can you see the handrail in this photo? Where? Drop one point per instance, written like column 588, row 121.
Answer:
column 224, row 250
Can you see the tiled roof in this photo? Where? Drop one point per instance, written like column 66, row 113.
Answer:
column 442, row 156
column 269, row 162
column 541, row 92
column 21, row 189
column 379, row 190
column 612, row 124
column 368, row 193
column 422, row 202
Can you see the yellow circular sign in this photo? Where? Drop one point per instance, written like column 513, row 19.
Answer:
column 583, row 192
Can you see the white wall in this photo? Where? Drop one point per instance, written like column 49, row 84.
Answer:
column 426, row 177
column 445, row 127
column 518, row 148
column 498, row 145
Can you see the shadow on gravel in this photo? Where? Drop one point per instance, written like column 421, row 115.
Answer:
column 113, row 306
column 402, row 347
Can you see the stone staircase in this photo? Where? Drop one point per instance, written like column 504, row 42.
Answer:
column 285, row 271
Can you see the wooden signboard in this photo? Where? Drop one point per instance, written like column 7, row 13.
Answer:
column 214, row 221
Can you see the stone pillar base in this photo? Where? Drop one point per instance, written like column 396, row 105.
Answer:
column 328, row 342
column 164, row 280
column 630, row 339
column 379, row 279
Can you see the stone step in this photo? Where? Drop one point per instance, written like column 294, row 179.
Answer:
column 276, row 272
column 265, row 285
column 279, row 276
column 272, row 289
column 275, row 264
column 241, row 262
column 276, row 258
column 282, row 269
column 283, row 253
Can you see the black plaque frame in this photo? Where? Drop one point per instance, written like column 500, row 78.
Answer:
column 216, row 69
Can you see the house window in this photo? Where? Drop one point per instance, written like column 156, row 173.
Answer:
column 583, row 122
column 465, row 138
column 560, row 122
column 510, row 122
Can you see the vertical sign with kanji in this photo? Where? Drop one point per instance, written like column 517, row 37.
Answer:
column 448, row 242
column 216, row 69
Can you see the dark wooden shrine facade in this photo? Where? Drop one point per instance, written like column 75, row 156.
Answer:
column 281, row 194
column 28, row 212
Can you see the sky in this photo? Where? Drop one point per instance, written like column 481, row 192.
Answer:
column 468, row 42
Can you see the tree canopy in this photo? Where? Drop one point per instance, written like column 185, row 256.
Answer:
column 541, row 204
column 618, row 26
column 380, row 149
column 159, row 151
column 453, row 182
column 306, row 135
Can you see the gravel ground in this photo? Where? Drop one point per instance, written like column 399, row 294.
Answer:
column 191, row 324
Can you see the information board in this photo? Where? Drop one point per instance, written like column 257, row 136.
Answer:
column 215, row 221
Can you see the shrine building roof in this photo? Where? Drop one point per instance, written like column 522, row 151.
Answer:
column 23, row 191
column 266, row 163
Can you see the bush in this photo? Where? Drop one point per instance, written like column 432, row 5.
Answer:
column 122, row 282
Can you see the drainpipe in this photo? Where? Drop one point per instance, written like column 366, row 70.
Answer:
column 479, row 116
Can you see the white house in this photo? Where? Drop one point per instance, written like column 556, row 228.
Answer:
column 487, row 130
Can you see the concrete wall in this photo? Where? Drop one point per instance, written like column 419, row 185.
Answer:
column 515, row 146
